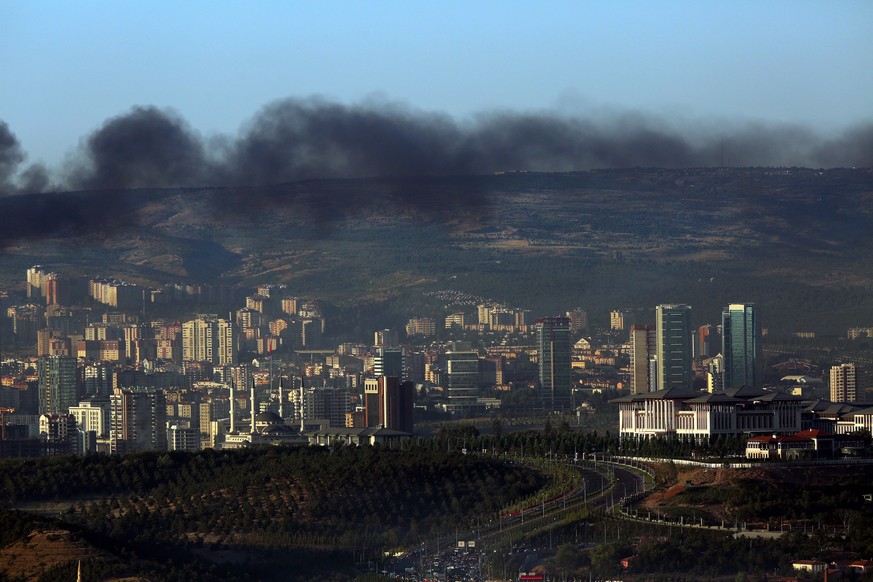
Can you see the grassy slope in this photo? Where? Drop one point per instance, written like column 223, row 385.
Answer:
column 795, row 242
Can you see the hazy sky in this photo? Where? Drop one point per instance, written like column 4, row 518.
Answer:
column 66, row 67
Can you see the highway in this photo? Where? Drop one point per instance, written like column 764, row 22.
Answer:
column 452, row 557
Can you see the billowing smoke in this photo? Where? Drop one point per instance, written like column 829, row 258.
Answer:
column 10, row 156
column 144, row 148
column 32, row 179
column 299, row 139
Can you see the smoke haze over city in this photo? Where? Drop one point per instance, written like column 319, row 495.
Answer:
column 312, row 138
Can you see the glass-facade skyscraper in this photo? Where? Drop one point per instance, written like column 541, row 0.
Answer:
column 58, row 384
column 740, row 345
column 553, row 344
column 673, row 346
column 462, row 378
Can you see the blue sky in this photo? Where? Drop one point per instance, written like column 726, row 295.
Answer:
column 66, row 67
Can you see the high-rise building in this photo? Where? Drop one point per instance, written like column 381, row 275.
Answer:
column 673, row 346
column 455, row 320
column 58, row 385
column 57, row 289
column 289, row 305
column 92, row 416
column 617, row 320
column 421, row 326
column 388, row 362
column 643, row 348
column 98, row 380
column 58, row 433
column 844, row 383
column 741, row 345
column 326, row 402
column 555, row 348
column 462, row 378
column 35, row 276
column 210, row 339
column 385, row 337
column 706, row 341
column 388, row 403
column 492, row 370
column 311, row 329
column 578, row 319
column 138, row 419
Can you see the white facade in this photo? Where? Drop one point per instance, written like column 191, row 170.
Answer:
column 684, row 413
column 92, row 417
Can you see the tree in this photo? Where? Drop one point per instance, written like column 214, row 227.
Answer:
column 568, row 558
column 497, row 428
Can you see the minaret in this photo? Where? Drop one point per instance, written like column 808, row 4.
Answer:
column 232, row 398
column 254, row 406
column 301, row 404
column 281, row 396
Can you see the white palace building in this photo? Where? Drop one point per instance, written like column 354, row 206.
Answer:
column 678, row 412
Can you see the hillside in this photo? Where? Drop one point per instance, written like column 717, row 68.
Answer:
column 793, row 240
column 789, row 496
column 307, row 510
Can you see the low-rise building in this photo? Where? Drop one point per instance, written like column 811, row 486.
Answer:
column 681, row 412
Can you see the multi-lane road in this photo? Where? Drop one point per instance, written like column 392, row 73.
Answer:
column 454, row 557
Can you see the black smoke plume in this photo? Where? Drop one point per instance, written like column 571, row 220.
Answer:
column 32, row 179
column 146, row 148
column 10, row 157
column 303, row 139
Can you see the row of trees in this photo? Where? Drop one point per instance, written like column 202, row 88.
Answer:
column 275, row 497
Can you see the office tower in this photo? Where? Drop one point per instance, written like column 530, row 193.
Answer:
column 209, row 339
column 844, row 383
column 462, row 378
column 388, row 362
column 388, row 403
column 371, row 402
column 138, row 419
column 311, row 329
column 413, row 366
column 741, row 345
column 58, row 386
column 673, row 346
column 553, row 344
column 643, row 347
